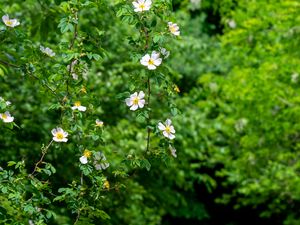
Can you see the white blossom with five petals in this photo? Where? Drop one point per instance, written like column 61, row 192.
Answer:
column 10, row 22
column 59, row 135
column 6, row 117
column 167, row 129
column 174, row 28
column 136, row 100
column 151, row 61
column 142, row 5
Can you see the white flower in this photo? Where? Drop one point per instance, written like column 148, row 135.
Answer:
column 84, row 158
column 47, row 51
column 136, row 100
column 74, row 76
column 99, row 123
column 78, row 106
column 100, row 162
column 59, row 135
column 6, row 117
column 142, row 5
column 174, row 28
column 295, row 78
column 232, row 24
column 173, row 151
column 10, row 22
column 151, row 61
column 167, row 128
column 164, row 52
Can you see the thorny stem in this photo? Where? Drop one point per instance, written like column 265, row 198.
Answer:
column 44, row 151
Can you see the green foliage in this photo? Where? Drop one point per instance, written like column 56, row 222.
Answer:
column 230, row 86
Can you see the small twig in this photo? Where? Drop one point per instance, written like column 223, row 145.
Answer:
column 44, row 151
column 8, row 64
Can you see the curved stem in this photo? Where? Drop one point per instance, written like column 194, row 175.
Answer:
column 44, row 151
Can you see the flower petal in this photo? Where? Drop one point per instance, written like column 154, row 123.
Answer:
column 53, row 131
column 83, row 160
column 172, row 130
column 166, row 134
column 171, row 136
column 161, row 126
column 141, row 95
column 168, row 122
column 82, row 108
column 128, row 101
column 151, row 67
column 157, row 62
column 134, row 107
column 141, row 103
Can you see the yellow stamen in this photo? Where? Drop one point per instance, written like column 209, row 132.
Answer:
column 136, row 101
column 151, row 62
column 172, row 29
column 106, row 184
column 87, row 153
column 9, row 22
column 168, row 129
column 77, row 104
column 60, row 136
column 142, row 6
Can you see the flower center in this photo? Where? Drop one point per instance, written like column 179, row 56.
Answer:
column 77, row 104
column 135, row 101
column 9, row 22
column 60, row 136
column 168, row 129
column 151, row 62
column 87, row 153
column 172, row 29
column 142, row 6
column 4, row 116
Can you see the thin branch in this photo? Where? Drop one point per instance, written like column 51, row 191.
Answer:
column 75, row 34
column 44, row 151
column 148, row 119
column 44, row 84
column 8, row 64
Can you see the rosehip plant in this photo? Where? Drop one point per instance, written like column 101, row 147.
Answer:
column 57, row 52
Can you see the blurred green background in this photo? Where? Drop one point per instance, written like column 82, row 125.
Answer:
column 237, row 66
